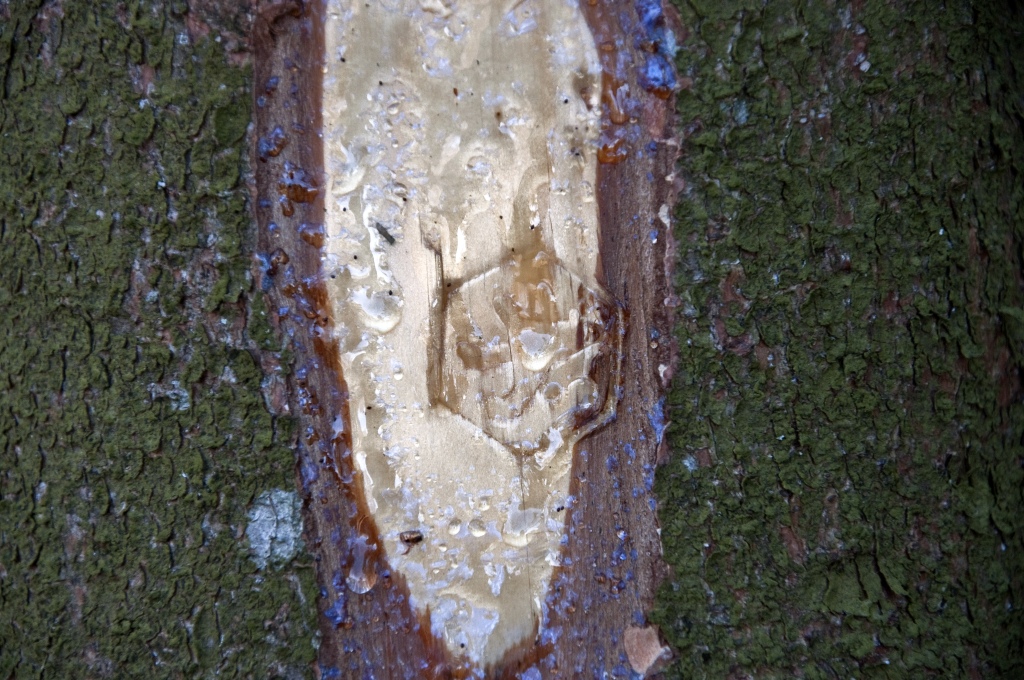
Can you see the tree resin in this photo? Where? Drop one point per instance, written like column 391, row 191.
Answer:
column 461, row 144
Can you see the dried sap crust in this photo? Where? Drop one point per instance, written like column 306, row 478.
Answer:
column 462, row 253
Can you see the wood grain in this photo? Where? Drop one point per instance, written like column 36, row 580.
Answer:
column 612, row 561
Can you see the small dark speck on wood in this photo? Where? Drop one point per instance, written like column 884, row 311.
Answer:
column 384, row 232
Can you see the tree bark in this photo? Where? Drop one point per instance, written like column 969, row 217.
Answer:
column 844, row 493
column 146, row 465
column 843, row 488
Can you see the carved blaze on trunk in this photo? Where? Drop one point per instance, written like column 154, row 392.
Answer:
column 463, row 216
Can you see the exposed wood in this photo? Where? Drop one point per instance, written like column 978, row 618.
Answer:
column 843, row 497
column 478, row 344
column 375, row 630
column 611, row 563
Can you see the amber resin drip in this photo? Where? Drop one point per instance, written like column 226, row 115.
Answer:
column 461, row 250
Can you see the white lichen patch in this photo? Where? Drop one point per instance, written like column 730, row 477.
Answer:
column 275, row 528
column 462, row 255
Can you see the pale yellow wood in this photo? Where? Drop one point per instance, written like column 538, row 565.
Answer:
column 462, row 249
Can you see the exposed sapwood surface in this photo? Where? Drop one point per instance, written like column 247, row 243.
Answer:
column 376, row 630
column 611, row 563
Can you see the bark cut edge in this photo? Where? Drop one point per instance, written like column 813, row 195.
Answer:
column 612, row 562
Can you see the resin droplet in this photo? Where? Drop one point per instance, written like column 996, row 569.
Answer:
column 362, row 576
column 477, row 343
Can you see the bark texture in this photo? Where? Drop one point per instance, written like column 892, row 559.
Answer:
column 135, row 442
column 844, row 494
column 844, row 489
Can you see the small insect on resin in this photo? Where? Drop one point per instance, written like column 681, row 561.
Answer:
column 410, row 538
column 462, row 248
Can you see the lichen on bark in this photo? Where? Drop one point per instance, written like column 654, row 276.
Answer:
column 844, row 492
column 134, row 433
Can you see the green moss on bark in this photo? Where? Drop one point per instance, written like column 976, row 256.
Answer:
column 134, row 434
column 844, row 497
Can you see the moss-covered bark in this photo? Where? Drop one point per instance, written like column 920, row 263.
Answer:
column 844, row 495
column 134, row 436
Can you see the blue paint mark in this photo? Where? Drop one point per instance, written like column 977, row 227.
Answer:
column 652, row 20
column 308, row 472
column 329, row 673
column 628, row 448
column 650, row 14
column 649, row 476
column 551, row 635
column 656, row 73
column 336, row 612
column 657, row 420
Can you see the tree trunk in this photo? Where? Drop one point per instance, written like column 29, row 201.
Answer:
column 141, row 429
column 843, row 490
column 844, row 493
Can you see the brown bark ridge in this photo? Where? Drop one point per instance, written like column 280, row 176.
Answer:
column 611, row 563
